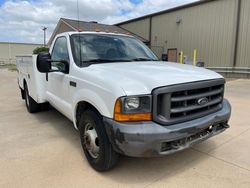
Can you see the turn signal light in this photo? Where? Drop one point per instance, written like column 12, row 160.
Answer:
column 119, row 116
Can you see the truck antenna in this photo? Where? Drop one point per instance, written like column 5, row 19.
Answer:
column 79, row 37
column 78, row 17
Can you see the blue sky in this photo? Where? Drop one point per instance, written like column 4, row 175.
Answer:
column 136, row 1
column 132, row 1
column 22, row 20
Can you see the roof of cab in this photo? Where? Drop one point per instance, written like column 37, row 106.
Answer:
column 98, row 33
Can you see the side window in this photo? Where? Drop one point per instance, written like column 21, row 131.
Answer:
column 60, row 52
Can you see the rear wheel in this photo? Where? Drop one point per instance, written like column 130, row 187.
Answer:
column 44, row 106
column 22, row 93
column 95, row 143
column 31, row 105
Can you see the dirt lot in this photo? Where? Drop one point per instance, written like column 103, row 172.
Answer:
column 43, row 150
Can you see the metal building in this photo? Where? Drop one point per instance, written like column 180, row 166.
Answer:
column 9, row 51
column 218, row 29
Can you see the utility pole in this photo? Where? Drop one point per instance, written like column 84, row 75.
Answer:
column 44, row 35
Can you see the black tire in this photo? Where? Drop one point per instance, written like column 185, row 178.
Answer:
column 31, row 105
column 44, row 106
column 22, row 93
column 106, row 158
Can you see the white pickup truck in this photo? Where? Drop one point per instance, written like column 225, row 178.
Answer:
column 121, row 98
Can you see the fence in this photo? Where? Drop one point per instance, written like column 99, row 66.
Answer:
column 4, row 61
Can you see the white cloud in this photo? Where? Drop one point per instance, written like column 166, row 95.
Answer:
column 21, row 21
column 147, row 7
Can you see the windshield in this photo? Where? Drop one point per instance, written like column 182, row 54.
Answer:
column 92, row 48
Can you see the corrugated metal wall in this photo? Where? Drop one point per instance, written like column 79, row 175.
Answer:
column 140, row 28
column 5, row 53
column 9, row 51
column 243, row 55
column 209, row 27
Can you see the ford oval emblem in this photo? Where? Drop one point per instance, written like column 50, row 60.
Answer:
column 202, row 101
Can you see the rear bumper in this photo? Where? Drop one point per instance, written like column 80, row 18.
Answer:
column 148, row 139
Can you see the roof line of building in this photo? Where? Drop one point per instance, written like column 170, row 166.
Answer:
column 94, row 22
column 166, row 11
column 53, row 34
column 64, row 20
column 146, row 40
column 57, row 25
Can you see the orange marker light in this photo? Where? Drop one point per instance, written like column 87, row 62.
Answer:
column 97, row 29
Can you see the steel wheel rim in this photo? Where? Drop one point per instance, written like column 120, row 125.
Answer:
column 91, row 141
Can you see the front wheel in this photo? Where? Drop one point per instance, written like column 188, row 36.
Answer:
column 95, row 143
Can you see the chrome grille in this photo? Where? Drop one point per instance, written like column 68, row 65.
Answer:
column 179, row 103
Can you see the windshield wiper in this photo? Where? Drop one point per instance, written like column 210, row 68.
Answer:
column 143, row 59
column 104, row 61
column 93, row 61
column 97, row 60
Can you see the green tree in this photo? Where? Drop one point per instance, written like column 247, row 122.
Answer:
column 40, row 49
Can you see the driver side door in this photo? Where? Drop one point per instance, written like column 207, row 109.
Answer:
column 58, row 82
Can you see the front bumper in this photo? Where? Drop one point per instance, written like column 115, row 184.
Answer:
column 148, row 139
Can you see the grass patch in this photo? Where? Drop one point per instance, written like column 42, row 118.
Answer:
column 10, row 67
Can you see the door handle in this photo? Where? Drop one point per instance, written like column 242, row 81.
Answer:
column 73, row 84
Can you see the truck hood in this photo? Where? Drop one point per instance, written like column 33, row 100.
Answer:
column 142, row 77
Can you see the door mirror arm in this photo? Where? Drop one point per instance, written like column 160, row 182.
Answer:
column 64, row 62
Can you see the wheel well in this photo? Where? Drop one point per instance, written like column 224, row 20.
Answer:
column 81, row 107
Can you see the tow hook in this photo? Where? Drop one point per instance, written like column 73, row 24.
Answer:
column 225, row 125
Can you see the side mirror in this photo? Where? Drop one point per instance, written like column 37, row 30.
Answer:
column 43, row 62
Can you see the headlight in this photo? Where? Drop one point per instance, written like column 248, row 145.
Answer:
column 133, row 108
column 131, row 103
